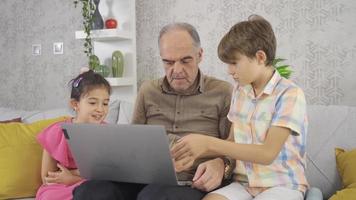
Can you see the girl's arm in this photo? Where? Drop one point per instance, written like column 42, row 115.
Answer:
column 48, row 165
column 52, row 172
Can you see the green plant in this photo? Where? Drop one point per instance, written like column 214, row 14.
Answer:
column 88, row 8
column 283, row 69
column 93, row 62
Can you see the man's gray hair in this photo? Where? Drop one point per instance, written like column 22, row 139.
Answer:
column 181, row 26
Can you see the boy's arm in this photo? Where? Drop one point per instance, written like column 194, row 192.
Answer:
column 258, row 153
column 194, row 146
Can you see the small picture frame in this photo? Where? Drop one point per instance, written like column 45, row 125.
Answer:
column 36, row 49
column 58, row 48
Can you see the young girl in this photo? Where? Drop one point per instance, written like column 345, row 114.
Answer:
column 89, row 99
column 268, row 113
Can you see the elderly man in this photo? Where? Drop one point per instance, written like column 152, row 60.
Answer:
column 186, row 102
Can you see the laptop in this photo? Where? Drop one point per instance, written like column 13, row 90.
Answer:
column 122, row 153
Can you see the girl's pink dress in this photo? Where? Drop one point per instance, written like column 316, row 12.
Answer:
column 54, row 142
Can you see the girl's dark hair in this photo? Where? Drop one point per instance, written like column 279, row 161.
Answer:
column 86, row 82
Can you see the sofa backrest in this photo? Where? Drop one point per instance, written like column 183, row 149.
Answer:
column 36, row 115
column 329, row 127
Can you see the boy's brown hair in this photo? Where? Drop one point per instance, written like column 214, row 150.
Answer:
column 246, row 38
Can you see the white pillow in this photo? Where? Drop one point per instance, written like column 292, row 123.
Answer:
column 125, row 112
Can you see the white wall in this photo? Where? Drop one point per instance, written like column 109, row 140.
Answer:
column 316, row 36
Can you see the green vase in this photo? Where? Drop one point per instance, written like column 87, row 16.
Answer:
column 117, row 64
column 102, row 70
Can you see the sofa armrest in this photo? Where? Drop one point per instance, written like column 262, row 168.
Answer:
column 313, row 193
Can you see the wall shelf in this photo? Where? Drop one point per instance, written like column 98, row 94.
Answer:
column 105, row 35
column 122, row 81
column 123, row 38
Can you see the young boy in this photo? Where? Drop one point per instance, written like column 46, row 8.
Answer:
column 269, row 119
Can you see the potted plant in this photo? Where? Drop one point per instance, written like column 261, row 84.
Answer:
column 283, row 69
column 88, row 8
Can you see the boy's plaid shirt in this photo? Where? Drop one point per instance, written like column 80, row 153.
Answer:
column 282, row 103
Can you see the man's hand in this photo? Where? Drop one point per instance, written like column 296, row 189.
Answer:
column 62, row 176
column 209, row 175
column 187, row 149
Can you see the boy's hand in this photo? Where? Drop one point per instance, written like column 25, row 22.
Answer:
column 183, row 164
column 62, row 176
column 187, row 149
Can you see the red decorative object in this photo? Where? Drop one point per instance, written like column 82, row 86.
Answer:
column 111, row 23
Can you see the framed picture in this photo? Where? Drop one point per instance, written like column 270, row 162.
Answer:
column 58, row 48
column 36, row 49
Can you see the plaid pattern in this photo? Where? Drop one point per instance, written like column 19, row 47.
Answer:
column 282, row 103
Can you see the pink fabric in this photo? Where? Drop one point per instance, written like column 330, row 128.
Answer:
column 54, row 142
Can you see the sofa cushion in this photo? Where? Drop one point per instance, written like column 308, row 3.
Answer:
column 34, row 116
column 345, row 194
column 8, row 113
column 346, row 166
column 113, row 114
column 125, row 112
column 329, row 127
column 20, row 158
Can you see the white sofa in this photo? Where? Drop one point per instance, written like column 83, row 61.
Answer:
column 119, row 112
column 329, row 127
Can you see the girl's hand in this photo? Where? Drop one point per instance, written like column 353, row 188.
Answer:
column 62, row 176
column 187, row 149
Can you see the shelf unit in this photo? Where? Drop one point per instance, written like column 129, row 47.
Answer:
column 123, row 38
column 106, row 35
column 124, row 81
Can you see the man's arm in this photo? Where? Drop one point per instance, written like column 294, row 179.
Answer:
column 224, row 122
column 209, row 175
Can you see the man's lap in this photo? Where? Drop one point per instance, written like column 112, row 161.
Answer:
column 106, row 190
column 166, row 192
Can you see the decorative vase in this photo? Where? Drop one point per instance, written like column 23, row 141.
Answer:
column 98, row 22
column 117, row 64
column 102, row 70
column 111, row 23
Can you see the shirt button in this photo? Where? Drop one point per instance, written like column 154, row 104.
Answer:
column 176, row 126
column 178, row 112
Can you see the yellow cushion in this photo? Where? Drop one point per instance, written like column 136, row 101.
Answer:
column 345, row 194
column 20, row 158
column 346, row 165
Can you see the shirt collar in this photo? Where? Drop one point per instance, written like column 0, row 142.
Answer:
column 268, row 89
column 272, row 83
column 197, row 87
